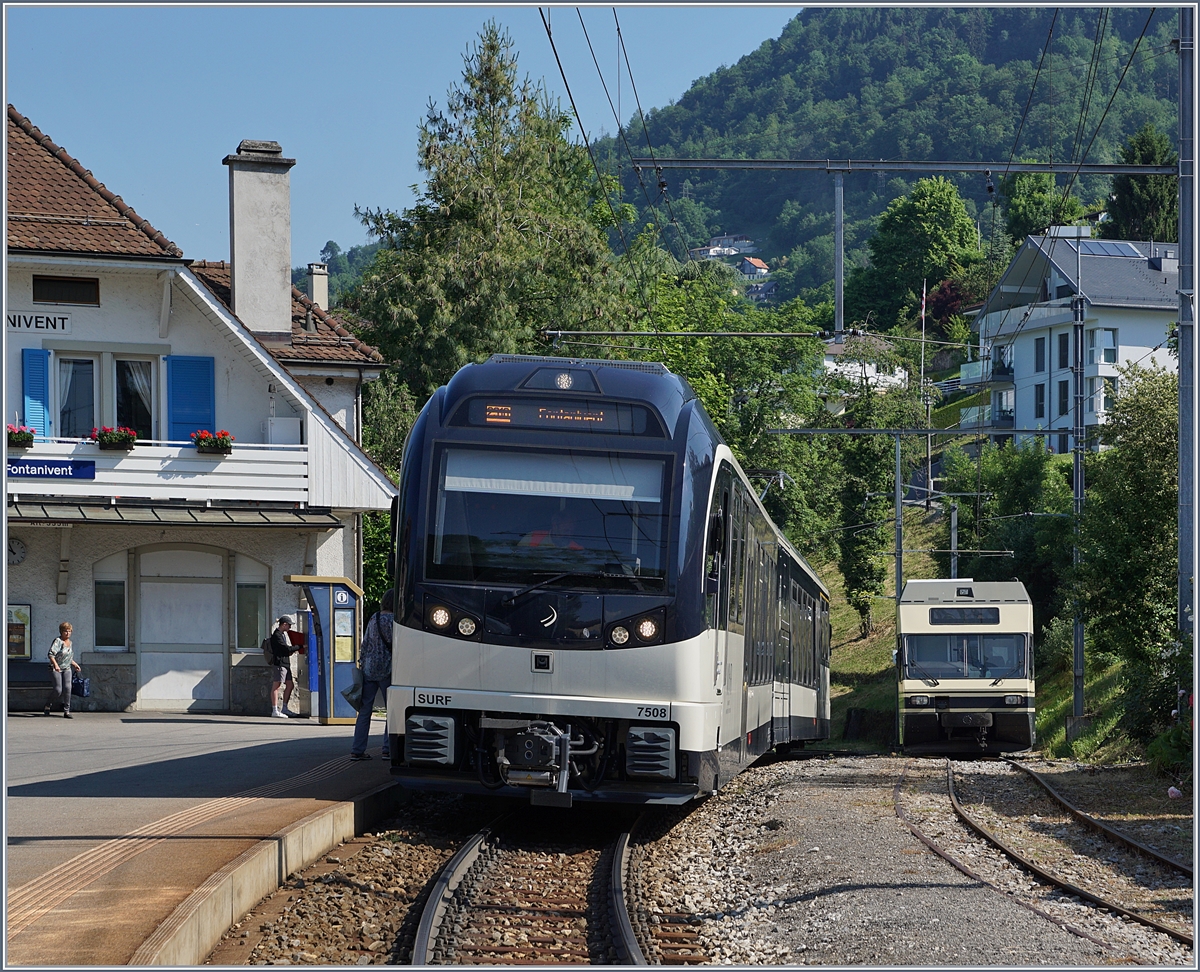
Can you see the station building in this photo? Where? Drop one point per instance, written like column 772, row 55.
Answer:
column 170, row 562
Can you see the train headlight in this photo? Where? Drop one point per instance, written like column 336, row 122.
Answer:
column 647, row 629
column 564, row 380
column 918, row 700
column 1013, row 699
column 466, row 627
column 619, row 635
column 439, row 617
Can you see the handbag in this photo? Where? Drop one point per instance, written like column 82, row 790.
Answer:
column 80, row 686
column 352, row 693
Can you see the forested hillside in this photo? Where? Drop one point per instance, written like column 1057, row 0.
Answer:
column 915, row 83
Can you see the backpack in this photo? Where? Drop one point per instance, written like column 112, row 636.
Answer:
column 265, row 648
column 377, row 650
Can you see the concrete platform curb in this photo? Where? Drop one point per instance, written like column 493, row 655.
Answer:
column 197, row 924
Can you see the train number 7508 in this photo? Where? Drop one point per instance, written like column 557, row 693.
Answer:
column 652, row 711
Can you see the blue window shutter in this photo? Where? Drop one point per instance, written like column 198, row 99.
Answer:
column 35, row 371
column 191, row 396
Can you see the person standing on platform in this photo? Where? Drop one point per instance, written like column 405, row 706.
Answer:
column 281, row 668
column 62, row 663
column 377, row 674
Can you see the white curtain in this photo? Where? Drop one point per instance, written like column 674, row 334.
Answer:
column 139, row 381
column 66, row 375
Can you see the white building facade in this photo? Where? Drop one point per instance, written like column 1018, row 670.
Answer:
column 1026, row 330
column 168, row 562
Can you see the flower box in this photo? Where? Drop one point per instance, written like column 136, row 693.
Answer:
column 20, row 436
column 213, row 443
column 118, row 438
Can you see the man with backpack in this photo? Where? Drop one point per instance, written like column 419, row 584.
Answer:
column 377, row 674
column 279, row 658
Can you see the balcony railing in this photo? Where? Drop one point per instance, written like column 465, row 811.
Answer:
column 979, row 372
column 974, row 416
column 160, row 470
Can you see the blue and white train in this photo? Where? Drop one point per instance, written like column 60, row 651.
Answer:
column 592, row 603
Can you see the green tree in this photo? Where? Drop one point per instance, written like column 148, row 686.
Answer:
column 1144, row 207
column 507, row 237
column 1035, row 203
column 1024, row 506
column 389, row 411
column 1127, row 579
column 924, row 236
column 867, row 475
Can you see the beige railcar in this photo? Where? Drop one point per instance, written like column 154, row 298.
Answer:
column 964, row 666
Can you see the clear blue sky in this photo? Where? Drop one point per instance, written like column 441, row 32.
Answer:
column 152, row 98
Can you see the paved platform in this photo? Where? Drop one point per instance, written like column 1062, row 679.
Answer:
column 114, row 820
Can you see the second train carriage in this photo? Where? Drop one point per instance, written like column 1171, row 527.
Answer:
column 965, row 666
column 592, row 603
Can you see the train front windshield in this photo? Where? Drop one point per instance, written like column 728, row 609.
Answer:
column 521, row 517
column 965, row 655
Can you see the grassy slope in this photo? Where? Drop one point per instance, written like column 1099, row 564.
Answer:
column 862, row 675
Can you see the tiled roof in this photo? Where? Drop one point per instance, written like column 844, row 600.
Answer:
column 756, row 262
column 329, row 342
column 56, row 205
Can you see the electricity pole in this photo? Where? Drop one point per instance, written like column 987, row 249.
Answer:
column 1187, row 345
column 1078, row 307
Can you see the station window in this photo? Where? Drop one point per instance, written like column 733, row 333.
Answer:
column 135, row 396
column 1064, row 350
column 109, row 582
column 252, row 613
column 66, row 290
column 1039, row 354
column 76, row 397
column 1064, row 397
column 1039, row 401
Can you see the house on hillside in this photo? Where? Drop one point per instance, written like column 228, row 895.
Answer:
column 712, row 252
column 753, row 267
column 737, row 242
column 761, row 291
column 1026, row 330
column 857, row 360
column 169, row 562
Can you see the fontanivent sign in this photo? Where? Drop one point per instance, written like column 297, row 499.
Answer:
column 39, row 321
column 51, row 468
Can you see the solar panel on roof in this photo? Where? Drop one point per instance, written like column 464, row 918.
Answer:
column 1108, row 248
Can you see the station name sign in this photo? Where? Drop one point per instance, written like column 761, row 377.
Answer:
column 51, row 469
column 38, row 321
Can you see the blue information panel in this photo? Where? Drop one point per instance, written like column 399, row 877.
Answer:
column 333, row 640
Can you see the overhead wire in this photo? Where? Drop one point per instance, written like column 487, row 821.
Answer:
column 662, row 185
column 595, row 166
column 617, row 117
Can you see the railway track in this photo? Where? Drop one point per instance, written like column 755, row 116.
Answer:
column 1064, row 849
column 542, row 890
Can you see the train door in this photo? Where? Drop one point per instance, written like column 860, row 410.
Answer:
column 781, row 714
column 718, row 587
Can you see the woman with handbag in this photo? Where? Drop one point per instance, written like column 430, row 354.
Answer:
column 62, row 662
column 376, row 674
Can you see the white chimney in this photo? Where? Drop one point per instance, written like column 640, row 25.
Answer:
column 318, row 284
column 260, row 237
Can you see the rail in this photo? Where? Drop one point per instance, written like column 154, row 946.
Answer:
column 1097, row 825
column 1049, row 876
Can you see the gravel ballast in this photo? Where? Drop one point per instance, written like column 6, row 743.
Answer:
column 800, row 862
